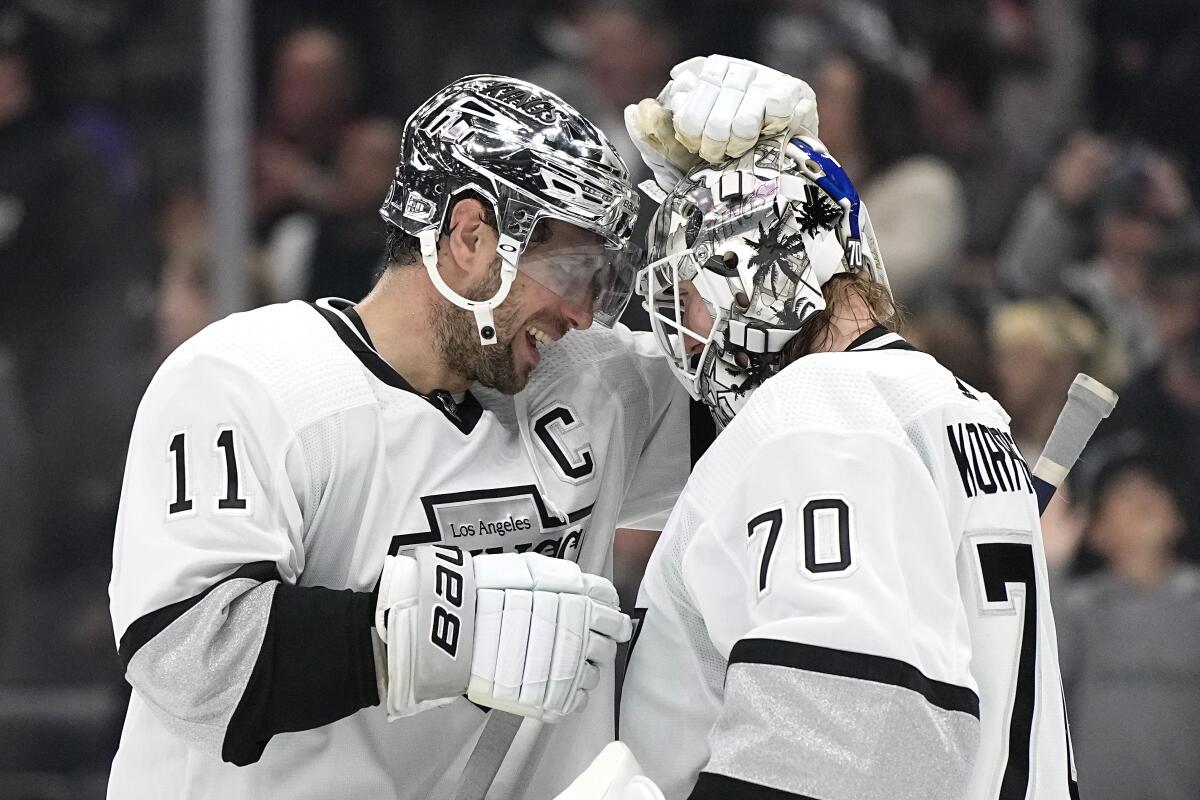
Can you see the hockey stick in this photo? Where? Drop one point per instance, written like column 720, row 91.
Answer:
column 1088, row 402
column 494, row 741
column 490, row 750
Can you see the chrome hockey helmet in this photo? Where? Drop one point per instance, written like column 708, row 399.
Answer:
column 533, row 157
column 757, row 237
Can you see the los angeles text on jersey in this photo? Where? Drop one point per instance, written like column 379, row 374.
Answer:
column 988, row 459
column 503, row 519
column 485, row 527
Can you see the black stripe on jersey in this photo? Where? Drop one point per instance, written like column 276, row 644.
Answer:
column 464, row 415
column 315, row 666
column 875, row 333
column 352, row 315
column 868, row 336
column 1072, row 784
column 638, row 617
column 900, row 345
column 575, row 516
column 713, row 786
column 861, row 666
column 147, row 626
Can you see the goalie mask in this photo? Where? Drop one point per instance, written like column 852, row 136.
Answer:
column 532, row 157
column 755, row 238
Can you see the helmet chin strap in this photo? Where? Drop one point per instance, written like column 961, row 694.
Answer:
column 507, row 248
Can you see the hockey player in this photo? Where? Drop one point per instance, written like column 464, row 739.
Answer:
column 331, row 506
column 849, row 600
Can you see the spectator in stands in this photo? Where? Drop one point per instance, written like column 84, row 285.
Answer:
column 68, row 259
column 1038, row 347
column 1129, row 644
column 798, row 36
column 65, row 269
column 1160, row 406
column 954, row 109
column 336, row 253
column 1091, row 228
column 868, row 117
column 1146, row 68
column 310, row 101
column 1044, row 57
column 184, row 302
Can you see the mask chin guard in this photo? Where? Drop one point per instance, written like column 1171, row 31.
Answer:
column 507, row 248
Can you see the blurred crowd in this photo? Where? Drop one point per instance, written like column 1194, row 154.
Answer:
column 1031, row 168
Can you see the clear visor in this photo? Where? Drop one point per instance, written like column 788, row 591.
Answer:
column 589, row 276
column 674, row 328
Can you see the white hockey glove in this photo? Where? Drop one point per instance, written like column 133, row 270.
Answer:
column 716, row 107
column 613, row 775
column 519, row 632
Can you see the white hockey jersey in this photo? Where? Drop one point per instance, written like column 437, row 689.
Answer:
column 274, row 461
column 849, row 601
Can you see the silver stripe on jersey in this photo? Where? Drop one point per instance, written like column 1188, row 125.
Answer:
column 194, row 672
column 839, row 738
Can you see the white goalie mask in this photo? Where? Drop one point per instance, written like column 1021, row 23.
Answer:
column 755, row 238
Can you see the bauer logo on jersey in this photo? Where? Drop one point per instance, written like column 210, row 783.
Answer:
column 507, row 519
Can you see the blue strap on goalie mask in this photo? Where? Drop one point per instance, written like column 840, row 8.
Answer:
column 840, row 189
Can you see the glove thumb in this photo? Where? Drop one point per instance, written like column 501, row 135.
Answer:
column 657, row 125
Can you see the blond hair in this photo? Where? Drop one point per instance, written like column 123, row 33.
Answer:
column 1061, row 332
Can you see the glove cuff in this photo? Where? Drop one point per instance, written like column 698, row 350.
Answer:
column 425, row 615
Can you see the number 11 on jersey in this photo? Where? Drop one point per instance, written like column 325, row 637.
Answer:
column 225, row 444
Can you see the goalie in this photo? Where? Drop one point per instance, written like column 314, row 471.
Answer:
column 849, row 600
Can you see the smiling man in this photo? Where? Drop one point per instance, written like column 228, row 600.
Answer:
column 301, row 478
column 553, row 291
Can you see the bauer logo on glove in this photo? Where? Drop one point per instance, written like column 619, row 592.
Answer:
column 520, row 632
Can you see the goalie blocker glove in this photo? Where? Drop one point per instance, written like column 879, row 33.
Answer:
column 520, row 632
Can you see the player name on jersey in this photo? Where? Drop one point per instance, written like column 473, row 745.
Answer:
column 988, row 459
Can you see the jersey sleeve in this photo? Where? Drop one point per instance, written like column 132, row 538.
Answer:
column 664, row 458
column 846, row 641
column 213, row 630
